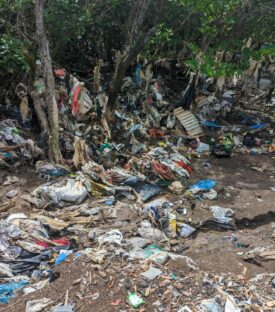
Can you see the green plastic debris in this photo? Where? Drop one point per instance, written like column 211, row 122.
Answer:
column 228, row 141
column 104, row 146
column 135, row 300
column 173, row 276
column 156, row 254
column 151, row 250
column 15, row 130
column 39, row 86
column 164, row 183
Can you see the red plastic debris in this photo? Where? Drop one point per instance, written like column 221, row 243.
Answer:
column 163, row 170
column 60, row 73
column 156, row 133
column 183, row 165
column 75, row 103
column 116, row 302
column 60, row 241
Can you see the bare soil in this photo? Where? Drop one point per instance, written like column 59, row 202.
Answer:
column 244, row 184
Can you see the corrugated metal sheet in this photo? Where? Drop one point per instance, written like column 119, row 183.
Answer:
column 189, row 122
column 207, row 100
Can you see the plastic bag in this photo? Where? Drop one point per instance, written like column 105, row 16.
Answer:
column 221, row 212
column 5, row 270
column 73, row 192
column 38, row 305
column 147, row 231
column 176, row 188
column 9, row 229
column 79, row 98
column 7, row 290
column 85, row 102
column 54, row 170
column 33, row 227
column 202, row 147
column 135, row 300
column 176, row 167
column 151, row 252
column 223, row 222
column 111, row 237
column 149, row 191
column 203, row 185
column 63, row 255
column 186, row 230
column 210, row 305
column 75, row 105
column 211, row 194
column 137, row 74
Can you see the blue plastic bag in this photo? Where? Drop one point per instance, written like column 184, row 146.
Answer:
column 64, row 254
column 7, row 290
column 137, row 74
column 203, row 185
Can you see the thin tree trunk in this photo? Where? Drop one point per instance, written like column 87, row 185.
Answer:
column 137, row 39
column 54, row 150
column 39, row 111
column 123, row 61
column 121, row 67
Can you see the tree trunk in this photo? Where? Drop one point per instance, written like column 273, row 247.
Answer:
column 37, row 103
column 46, row 61
column 136, row 42
column 123, row 61
column 121, row 67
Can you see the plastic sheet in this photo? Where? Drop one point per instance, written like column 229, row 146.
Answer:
column 73, row 192
column 149, row 191
column 7, row 290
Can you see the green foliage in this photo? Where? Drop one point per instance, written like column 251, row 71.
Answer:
column 163, row 34
column 211, row 68
column 163, row 38
column 215, row 14
column 15, row 5
column 11, row 57
column 260, row 53
column 208, row 64
column 66, row 19
column 80, row 31
column 197, row 25
column 212, row 17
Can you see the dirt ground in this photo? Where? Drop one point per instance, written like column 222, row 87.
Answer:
column 244, row 185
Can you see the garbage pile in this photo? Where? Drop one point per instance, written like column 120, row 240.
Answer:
column 16, row 145
column 242, row 119
column 135, row 169
column 26, row 250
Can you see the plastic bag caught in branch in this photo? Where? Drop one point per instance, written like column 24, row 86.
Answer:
column 79, row 98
